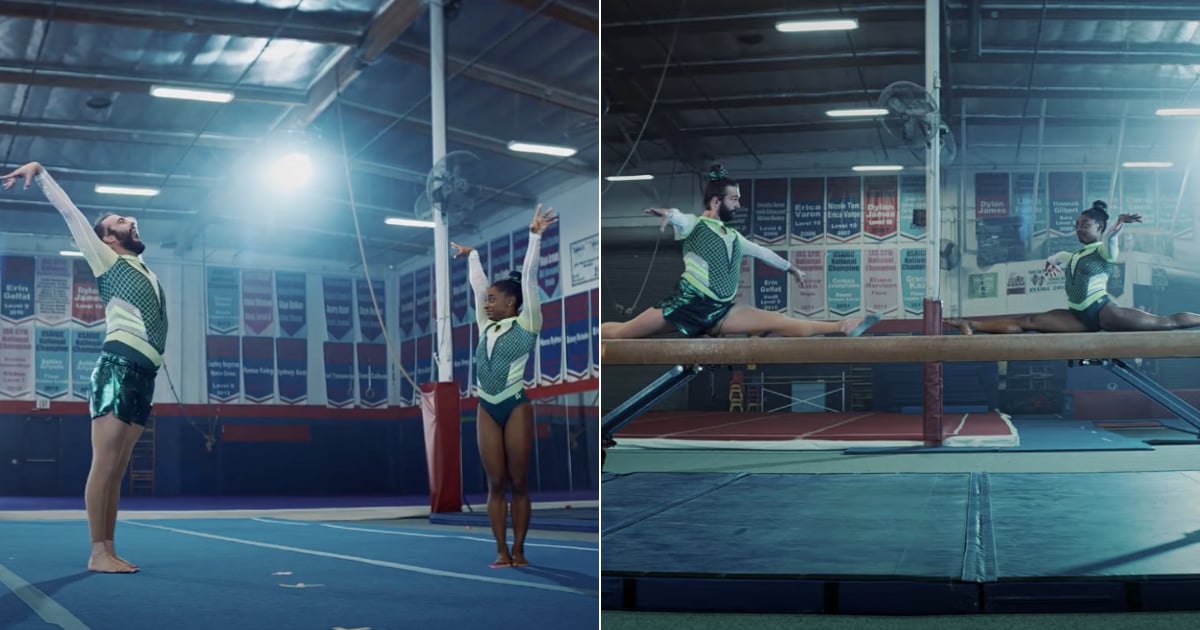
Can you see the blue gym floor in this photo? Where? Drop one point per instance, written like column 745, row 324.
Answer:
column 270, row 573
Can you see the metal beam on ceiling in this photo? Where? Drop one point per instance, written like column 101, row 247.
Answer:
column 237, row 20
column 497, row 77
column 569, row 13
column 392, row 19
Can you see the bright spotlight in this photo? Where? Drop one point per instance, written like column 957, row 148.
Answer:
column 291, row 171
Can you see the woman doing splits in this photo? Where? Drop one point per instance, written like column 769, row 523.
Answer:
column 1089, row 307
column 712, row 256
column 509, row 317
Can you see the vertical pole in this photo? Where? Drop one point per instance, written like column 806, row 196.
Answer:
column 441, row 239
column 932, row 414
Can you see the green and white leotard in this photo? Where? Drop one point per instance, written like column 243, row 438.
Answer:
column 1088, row 269
column 713, row 252
column 505, row 345
column 135, row 308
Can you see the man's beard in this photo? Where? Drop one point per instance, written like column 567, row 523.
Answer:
column 135, row 246
column 725, row 214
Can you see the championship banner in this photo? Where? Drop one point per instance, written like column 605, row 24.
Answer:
column 808, row 211
column 423, row 301
column 85, row 352
column 881, row 193
column 1023, row 206
column 408, row 363
column 224, row 310
column 17, row 275
column 53, row 301
column 550, row 345
column 500, row 258
column 339, row 374
column 293, row 370
column 423, row 373
column 339, row 309
column 520, row 244
column 292, row 290
column 844, row 273
column 745, row 290
column 1138, row 196
column 1098, row 185
column 86, row 307
column 1116, row 280
column 770, row 287
column 53, row 362
column 808, row 300
column 912, row 280
column 372, row 375
column 368, row 318
column 991, row 195
column 461, row 338
column 913, row 213
column 1041, row 210
column 770, row 223
column 578, row 344
column 224, row 368
column 882, row 284
column 843, row 209
column 258, row 369
column 461, row 295
column 549, row 269
column 16, row 361
column 258, row 302
column 406, row 297
column 594, row 325
column 1066, row 194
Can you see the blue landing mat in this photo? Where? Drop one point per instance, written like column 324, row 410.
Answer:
column 580, row 519
column 267, row 573
column 902, row 543
column 1036, row 435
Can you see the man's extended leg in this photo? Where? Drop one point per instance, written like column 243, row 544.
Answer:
column 133, row 433
column 109, row 436
column 746, row 320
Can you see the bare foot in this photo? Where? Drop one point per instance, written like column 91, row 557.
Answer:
column 502, row 560
column 109, row 546
column 107, row 563
column 849, row 325
column 518, row 559
column 963, row 325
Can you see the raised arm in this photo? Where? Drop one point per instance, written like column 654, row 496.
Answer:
column 99, row 256
column 1109, row 246
column 479, row 286
column 531, row 307
column 683, row 223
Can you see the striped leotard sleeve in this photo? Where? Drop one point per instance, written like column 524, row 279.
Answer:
column 99, row 256
column 479, row 285
column 530, row 317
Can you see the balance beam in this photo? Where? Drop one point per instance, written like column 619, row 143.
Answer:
column 901, row 348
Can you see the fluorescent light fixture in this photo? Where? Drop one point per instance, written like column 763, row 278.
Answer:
column 1147, row 164
column 187, row 94
column 67, row 252
column 629, row 178
column 849, row 113
column 544, row 149
column 1178, row 111
column 877, row 168
column 809, row 26
column 408, row 222
column 136, row 191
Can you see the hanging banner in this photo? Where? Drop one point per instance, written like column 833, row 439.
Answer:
column 339, row 309
column 882, row 214
column 1138, row 196
column 808, row 299
column 578, row 336
column 339, row 374
column 53, row 302
column 913, row 213
column 912, row 280
column 85, row 352
column 844, row 278
column 224, row 367
column 808, row 211
column 882, row 283
column 550, row 345
column 16, row 361
column 292, row 290
column 843, row 209
column 1066, row 194
column 258, row 368
column 53, row 362
column 500, row 258
column 17, row 275
column 770, row 215
column 372, row 375
column 293, row 370
column 991, row 195
column 86, row 307
column 770, row 287
column 224, row 308
column 549, row 268
column 369, row 327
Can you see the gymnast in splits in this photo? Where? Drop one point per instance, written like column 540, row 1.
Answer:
column 509, row 317
column 703, row 301
column 122, row 383
column 1089, row 307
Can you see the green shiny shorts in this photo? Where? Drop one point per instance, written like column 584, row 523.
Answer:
column 123, row 388
column 692, row 312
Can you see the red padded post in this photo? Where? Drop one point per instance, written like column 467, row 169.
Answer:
column 443, row 436
column 932, row 421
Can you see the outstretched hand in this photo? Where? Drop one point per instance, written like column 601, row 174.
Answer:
column 461, row 250
column 799, row 276
column 1052, row 268
column 662, row 214
column 1129, row 218
column 541, row 220
column 26, row 172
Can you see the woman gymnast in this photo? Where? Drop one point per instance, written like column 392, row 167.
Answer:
column 1089, row 307
column 509, row 317
column 712, row 256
